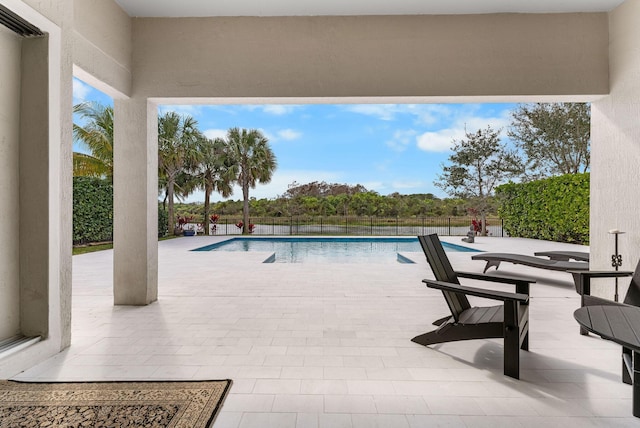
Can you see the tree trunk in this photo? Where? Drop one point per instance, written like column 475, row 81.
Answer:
column 207, row 192
column 245, row 209
column 483, row 223
column 170, row 211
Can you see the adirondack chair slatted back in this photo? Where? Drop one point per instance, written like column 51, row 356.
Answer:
column 443, row 271
column 633, row 293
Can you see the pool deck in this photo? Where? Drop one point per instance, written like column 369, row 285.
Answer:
column 320, row 345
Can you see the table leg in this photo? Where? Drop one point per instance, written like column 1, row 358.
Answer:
column 636, row 384
column 583, row 286
column 627, row 366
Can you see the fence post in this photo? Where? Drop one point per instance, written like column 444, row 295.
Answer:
column 291, row 225
column 449, row 225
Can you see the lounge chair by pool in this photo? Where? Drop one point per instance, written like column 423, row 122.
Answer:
column 564, row 255
column 494, row 259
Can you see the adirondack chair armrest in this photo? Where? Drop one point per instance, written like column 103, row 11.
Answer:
column 582, row 278
column 522, row 284
column 477, row 292
column 601, row 273
column 505, row 279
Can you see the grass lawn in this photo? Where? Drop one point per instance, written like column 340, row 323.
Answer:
column 83, row 249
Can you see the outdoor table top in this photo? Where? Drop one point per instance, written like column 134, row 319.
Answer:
column 618, row 323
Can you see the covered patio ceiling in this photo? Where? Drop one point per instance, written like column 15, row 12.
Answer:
column 206, row 8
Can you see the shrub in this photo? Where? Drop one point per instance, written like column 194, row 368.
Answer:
column 163, row 220
column 555, row 209
column 92, row 210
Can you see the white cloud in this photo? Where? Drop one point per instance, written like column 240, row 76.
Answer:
column 439, row 141
column 401, row 140
column 280, row 109
column 215, row 133
column 442, row 140
column 268, row 135
column 80, row 91
column 183, row 110
column 289, row 134
column 274, row 109
column 430, row 114
column 424, row 114
column 381, row 111
column 283, row 134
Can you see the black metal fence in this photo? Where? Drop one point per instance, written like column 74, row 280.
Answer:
column 356, row 226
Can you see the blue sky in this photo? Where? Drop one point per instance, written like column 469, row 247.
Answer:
column 386, row 148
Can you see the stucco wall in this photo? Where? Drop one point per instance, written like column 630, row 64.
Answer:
column 379, row 56
column 102, row 45
column 42, row 174
column 10, row 46
column 615, row 151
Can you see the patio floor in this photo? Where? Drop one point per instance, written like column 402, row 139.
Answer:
column 328, row 345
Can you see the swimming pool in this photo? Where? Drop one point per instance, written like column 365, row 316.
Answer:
column 328, row 249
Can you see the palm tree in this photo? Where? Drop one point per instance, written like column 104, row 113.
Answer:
column 178, row 138
column 252, row 162
column 213, row 173
column 97, row 136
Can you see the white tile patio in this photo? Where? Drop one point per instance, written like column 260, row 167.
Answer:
column 320, row 345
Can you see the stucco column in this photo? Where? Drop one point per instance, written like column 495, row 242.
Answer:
column 135, row 202
column 615, row 151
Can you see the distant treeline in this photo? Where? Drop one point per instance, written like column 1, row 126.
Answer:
column 325, row 199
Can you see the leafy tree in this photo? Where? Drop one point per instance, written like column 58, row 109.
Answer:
column 252, row 161
column 97, row 136
column 212, row 174
column 178, row 139
column 554, row 137
column 366, row 203
column 321, row 189
column 478, row 164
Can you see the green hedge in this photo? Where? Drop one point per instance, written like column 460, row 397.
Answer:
column 554, row 209
column 92, row 210
column 163, row 221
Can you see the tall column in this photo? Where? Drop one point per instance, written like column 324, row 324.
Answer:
column 615, row 150
column 135, row 202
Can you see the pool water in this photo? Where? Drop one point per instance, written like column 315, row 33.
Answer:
column 325, row 249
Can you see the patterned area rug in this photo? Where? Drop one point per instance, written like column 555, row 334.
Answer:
column 111, row 404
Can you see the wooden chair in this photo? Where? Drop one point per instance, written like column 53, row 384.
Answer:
column 494, row 259
column 510, row 320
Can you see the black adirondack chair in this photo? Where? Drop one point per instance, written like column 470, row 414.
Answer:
column 510, row 320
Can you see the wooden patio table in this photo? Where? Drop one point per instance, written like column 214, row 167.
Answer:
column 620, row 324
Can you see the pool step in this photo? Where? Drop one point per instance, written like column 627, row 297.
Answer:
column 404, row 259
